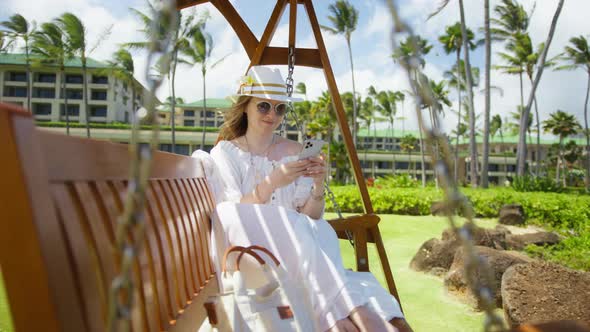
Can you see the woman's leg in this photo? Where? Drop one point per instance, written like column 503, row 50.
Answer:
column 366, row 320
column 344, row 325
column 401, row 324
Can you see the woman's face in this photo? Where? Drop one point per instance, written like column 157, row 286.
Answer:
column 263, row 118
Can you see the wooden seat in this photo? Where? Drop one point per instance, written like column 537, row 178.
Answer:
column 60, row 198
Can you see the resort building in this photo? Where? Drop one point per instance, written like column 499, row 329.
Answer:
column 109, row 99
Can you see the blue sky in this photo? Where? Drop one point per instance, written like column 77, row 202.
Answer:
column 371, row 44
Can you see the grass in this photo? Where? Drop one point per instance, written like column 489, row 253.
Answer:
column 426, row 305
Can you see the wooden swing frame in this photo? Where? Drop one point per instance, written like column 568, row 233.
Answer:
column 364, row 227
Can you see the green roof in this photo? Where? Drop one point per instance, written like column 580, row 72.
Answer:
column 211, row 103
column 75, row 62
column 363, row 132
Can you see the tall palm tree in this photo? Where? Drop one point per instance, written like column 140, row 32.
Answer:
column 563, row 125
column 408, row 144
column 323, row 121
column 469, row 81
column 121, row 67
column 198, row 52
column 386, row 105
column 18, row 28
column 5, row 42
column 522, row 147
column 344, row 19
column 487, row 89
column 511, row 19
column 51, row 45
column 301, row 88
column 577, row 56
column 367, row 115
column 176, row 28
column 76, row 37
column 496, row 127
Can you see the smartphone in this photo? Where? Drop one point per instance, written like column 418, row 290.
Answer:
column 311, row 148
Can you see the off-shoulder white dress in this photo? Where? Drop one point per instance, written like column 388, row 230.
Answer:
column 307, row 248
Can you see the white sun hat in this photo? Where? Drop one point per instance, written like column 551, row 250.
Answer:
column 264, row 82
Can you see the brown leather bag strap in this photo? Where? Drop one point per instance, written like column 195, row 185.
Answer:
column 251, row 249
column 241, row 250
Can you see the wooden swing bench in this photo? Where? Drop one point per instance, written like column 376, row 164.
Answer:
column 60, row 198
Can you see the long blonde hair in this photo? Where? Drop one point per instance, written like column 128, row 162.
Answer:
column 235, row 120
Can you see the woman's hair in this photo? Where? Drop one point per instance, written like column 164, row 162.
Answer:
column 235, row 120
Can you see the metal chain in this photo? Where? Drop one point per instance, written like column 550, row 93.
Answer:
column 289, row 82
column 454, row 200
column 130, row 231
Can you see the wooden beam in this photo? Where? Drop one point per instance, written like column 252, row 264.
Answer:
column 337, row 102
column 234, row 19
column 269, row 32
column 292, row 22
column 376, row 235
column 354, row 223
column 306, row 57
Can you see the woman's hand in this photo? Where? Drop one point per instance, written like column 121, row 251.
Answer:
column 317, row 170
column 288, row 172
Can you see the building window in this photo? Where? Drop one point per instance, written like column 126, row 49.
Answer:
column 15, row 91
column 44, row 92
column 98, row 111
column 189, row 123
column 17, row 76
column 182, row 149
column 207, row 123
column 41, row 108
column 46, row 78
column 99, row 95
column 166, row 147
column 74, row 94
column 100, row 79
column 207, row 114
column 189, row 113
column 73, row 110
column 74, row 79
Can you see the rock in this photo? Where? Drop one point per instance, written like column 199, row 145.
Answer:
column 512, row 214
column 542, row 291
column 520, row 241
column 497, row 260
column 493, row 238
column 434, row 253
column 437, row 209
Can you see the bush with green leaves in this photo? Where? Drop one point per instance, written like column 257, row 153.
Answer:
column 397, row 181
column 528, row 183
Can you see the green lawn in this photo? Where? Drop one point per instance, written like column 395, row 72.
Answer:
column 426, row 305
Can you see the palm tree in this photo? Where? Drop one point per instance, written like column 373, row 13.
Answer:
column 367, row 115
column 487, row 88
column 511, row 19
column 469, row 81
column 408, row 144
column 386, row 105
column 323, row 121
column 198, row 51
column 496, row 127
column 563, row 125
column 50, row 43
column 344, row 19
column 412, row 48
column 76, row 37
column 19, row 28
column 301, row 88
column 176, row 28
column 577, row 55
column 522, row 148
column 121, row 67
column 5, row 42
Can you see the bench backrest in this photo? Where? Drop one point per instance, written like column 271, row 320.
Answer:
column 60, row 198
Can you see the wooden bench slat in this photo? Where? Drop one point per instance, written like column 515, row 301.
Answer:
column 204, row 223
column 195, row 216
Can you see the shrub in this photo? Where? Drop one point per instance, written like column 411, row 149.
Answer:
column 530, row 183
column 397, row 181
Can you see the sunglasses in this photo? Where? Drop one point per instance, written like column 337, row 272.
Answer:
column 264, row 107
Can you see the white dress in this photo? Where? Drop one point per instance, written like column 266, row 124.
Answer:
column 307, row 248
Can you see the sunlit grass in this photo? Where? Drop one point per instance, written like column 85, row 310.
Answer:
column 5, row 321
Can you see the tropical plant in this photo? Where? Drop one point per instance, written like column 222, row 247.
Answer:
column 469, row 81
column 367, row 115
column 5, row 42
column 51, row 45
column 176, row 28
column 563, row 125
column 386, row 105
column 408, row 144
column 17, row 28
column 344, row 19
column 198, row 51
column 577, row 56
column 487, row 89
column 412, row 49
column 323, row 121
column 121, row 67
column 496, row 127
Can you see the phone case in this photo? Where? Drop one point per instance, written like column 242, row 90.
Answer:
column 311, row 148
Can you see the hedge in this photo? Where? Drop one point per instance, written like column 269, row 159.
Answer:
column 559, row 211
column 122, row 126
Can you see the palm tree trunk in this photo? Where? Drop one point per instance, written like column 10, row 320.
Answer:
column 374, row 138
column 29, row 84
column 524, row 117
column 472, row 146
column 392, row 150
column 353, row 93
column 65, row 97
column 538, row 154
column 204, row 109
column 587, row 176
column 559, row 162
column 458, row 114
column 487, row 109
column 85, row 96
column 173, row 102
column 422, row 158
column 505, row 156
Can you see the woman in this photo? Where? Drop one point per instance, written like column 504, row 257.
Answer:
column 259, row 167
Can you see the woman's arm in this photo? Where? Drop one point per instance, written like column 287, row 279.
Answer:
column 280, row 177
column 314, row 206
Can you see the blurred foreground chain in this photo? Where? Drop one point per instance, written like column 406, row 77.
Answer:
column 130, row 231
column 477, row 272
